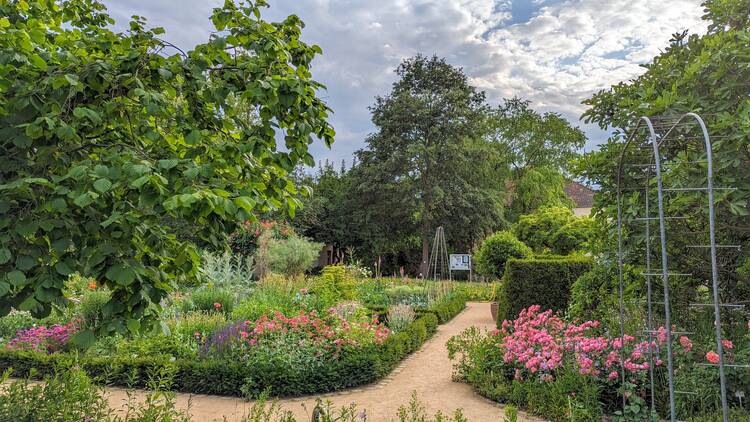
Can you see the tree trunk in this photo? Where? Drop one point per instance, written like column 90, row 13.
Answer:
column 424, row 265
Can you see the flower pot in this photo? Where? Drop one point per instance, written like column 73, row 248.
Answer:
column 493, row 310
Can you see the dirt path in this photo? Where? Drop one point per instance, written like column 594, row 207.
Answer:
column 427, row 371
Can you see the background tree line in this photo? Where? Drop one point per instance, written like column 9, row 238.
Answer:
column 440, row 155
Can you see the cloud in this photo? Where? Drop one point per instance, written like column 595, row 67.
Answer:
column 555, row 53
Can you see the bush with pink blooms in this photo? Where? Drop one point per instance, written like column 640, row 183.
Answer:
column 558, row 368
column 42, row 338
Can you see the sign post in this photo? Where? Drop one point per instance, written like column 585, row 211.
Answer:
column 459, row 262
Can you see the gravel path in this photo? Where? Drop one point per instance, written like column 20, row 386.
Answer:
column 426, row 372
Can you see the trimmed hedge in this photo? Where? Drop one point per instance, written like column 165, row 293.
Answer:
column 545, row 282
column 444, row 312
column 223, row 377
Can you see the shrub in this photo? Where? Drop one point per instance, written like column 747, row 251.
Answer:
column 14, row 322
column 292, row 256
column 197, row 325
column 573, row 236
column 67, row 395
column 415, row 296
column 334, row 284
column 495, row 251
column 227, row 270
column 544, row 282
column 400, row 316
column 482, row 292
column 595, row 296
column 536, row 229
column 211, row 299
column 91, row 307
column 43, row 339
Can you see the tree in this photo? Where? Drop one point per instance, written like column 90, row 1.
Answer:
column 532, row 140
column 704, row 73
column 102, row 134
column 427, row 164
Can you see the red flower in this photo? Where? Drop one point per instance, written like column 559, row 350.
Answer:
column 712, row 357
column 92, row 285
column 217, row 306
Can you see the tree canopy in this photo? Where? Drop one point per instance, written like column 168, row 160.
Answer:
column 102, row 134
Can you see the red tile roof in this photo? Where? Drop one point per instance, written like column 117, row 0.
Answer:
column 582, row 195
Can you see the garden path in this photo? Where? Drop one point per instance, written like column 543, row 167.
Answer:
column 426, row 372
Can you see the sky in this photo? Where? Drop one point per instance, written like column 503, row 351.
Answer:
column 554, row 53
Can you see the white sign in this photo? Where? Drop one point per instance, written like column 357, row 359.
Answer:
column 460, row 261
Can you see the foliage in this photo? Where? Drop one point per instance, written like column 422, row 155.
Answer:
column 537, row 188
column 335, row 283
column 531, row 140
column 270, row 372
column 474, row 291
column 14, row 322
column 427, row 164
column 538, row 228
column 65, row 396
column 211, row 299
column 704, row 73
column 416, row 412
column 495, row 251
column 595, row 296
column 102, row 134
column 196, row 326
column 91, row 308
column 400, row 316
column 293, row 256
column 244, row 241
column 227, row 270
column 573, row 236
column 545, row 282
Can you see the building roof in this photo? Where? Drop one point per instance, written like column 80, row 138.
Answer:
column 582, row 195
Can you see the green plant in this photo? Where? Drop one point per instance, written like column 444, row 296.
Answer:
column 92, row 309
column 99, row 147
column 472, row 291
column 15, row 321
column 292, row 256
column 227, row 270
column 416, row 412
column 511, row 413
column 65, row 395
column 538, row 228
column 400, row 316
column 495, row 251
column 211, row 299
column 196, row 325
column 544, row 282
column 573, row 236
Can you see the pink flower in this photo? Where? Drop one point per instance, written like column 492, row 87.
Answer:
column 217, row 306
column 612, row 375
column 244, row 334
column 712, row 357
column 727, row 344
column 686, row 344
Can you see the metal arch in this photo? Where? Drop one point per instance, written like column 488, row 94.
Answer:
column 656, row 163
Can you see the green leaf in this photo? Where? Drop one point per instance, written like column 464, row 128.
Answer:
column 168, row 164
column 25, row 262
column 121, row 274
column 38, row 62
column 63, row 268
column 5, row 255
column 102, row 185
column 17, row 278
column 193, row 137
column 85, row 199
column 29, row 304
column 84, row 339
column 133, row 325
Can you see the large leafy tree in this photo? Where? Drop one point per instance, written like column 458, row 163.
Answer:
column 707, row 74
column 538, row 148
column 103, row 134
column 427, row 164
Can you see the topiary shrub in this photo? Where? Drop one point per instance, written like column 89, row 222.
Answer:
column 537, row 229
column 544, row 282
column 91, row 307
column 496, row 250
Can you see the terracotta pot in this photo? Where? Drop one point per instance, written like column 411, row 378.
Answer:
column 493, row 310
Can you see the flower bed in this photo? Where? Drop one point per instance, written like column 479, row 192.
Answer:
column 265, row 369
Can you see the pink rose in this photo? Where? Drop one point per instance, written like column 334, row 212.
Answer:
column 712, row 357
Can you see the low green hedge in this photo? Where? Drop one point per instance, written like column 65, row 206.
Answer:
column 223, row 377
column 545, row 282
column 444, row 311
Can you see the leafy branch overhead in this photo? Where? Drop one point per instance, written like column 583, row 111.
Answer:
column 104, row 134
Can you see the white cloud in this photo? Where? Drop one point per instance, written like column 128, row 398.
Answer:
column 556, row 57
